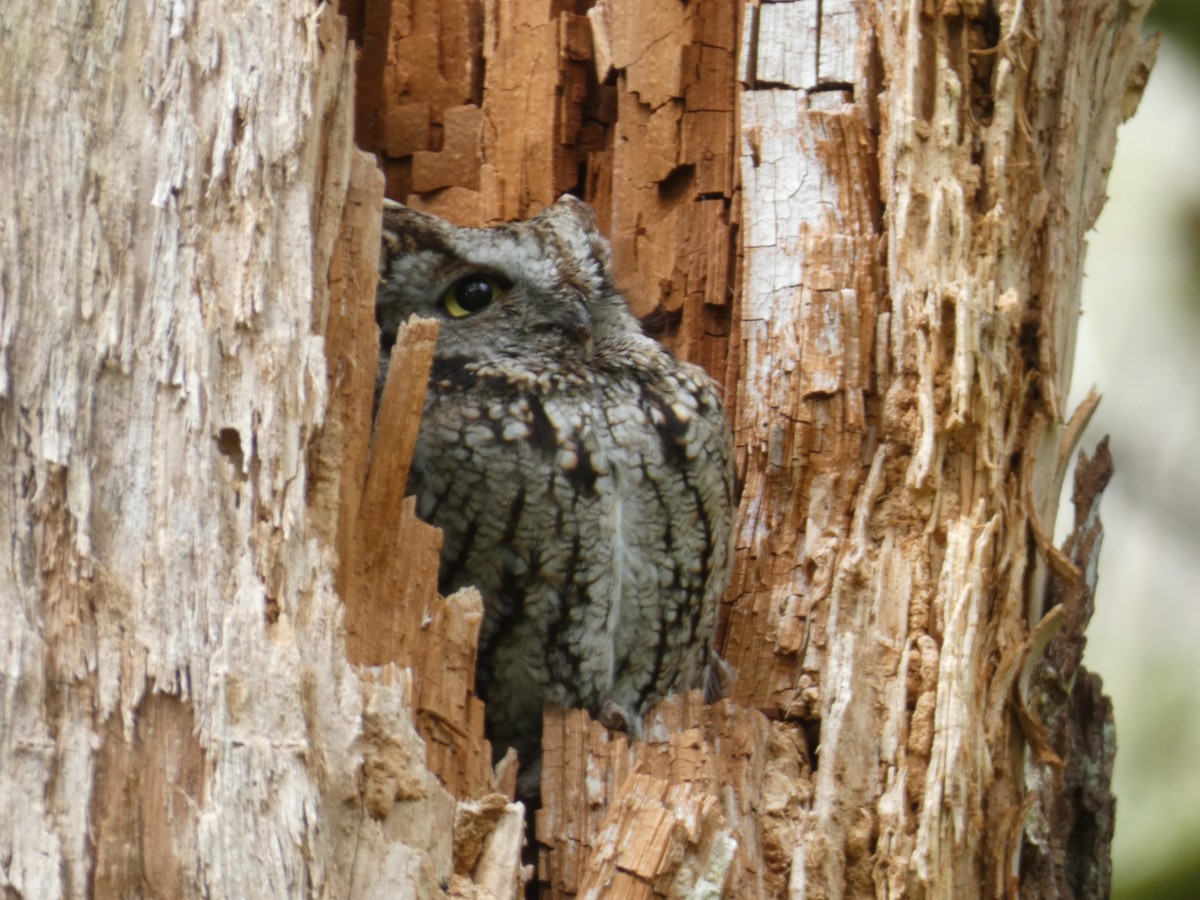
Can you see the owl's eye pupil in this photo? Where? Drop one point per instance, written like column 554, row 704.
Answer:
column 473, row 293
column 470, row 294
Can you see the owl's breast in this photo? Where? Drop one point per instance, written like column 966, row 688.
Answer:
column 592, row 513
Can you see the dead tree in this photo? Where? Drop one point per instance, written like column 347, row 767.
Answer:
column 227, row 669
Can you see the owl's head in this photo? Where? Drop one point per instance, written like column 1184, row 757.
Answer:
column 537, row 289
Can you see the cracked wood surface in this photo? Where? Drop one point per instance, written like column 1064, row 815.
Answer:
column 866, row 220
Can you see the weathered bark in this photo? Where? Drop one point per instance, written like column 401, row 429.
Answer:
column 227, row 669
column 188, row 250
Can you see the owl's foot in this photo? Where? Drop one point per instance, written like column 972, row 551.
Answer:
column 529, row 784
column 614, row 716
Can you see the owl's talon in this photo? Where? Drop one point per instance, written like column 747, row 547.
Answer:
column 614, row 717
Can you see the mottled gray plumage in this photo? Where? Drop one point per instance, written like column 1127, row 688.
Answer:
column 583, row 477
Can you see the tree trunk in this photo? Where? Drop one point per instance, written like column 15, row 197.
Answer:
column 228, row 671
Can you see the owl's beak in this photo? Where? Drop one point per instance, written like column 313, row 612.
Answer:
column 584, row 334
column 576, row 320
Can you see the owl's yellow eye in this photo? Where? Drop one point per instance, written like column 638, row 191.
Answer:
column 470, row 294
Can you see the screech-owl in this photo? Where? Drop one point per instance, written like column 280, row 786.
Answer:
column 582, row 476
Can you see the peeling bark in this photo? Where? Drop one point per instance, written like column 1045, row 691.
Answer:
column 228, row 671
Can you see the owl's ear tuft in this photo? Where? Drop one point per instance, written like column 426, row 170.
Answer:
column 407, row 230
column 570, row 208
column 575, row 220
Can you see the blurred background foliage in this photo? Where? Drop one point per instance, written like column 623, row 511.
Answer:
column 1139, row 343
column 1181, row 20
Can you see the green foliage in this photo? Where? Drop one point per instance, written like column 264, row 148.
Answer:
column 1180, row 19
column 1177, row 881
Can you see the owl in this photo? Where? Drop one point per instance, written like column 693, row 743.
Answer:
column 582, row 476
